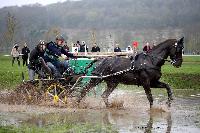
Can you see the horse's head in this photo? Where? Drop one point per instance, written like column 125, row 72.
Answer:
column 176, row 52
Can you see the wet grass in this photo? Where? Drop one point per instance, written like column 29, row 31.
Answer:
column 7, row 129
column 60, row 128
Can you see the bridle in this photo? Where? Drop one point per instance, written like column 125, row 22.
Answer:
column 174, row 59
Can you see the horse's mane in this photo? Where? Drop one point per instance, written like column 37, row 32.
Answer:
column 168, row 41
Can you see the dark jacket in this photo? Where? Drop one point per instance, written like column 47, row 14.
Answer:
column 146, row 48
column 53, row 51
column 25, row 51
column 117, row 49
column 82, row 48
column 34, row 59
column 95, row 49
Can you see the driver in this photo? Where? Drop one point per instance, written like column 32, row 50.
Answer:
column 54, row 50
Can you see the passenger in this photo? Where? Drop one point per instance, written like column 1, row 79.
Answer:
column 54, row 50
column 36, row 61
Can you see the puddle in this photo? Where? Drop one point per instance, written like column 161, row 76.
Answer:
column 133, row 115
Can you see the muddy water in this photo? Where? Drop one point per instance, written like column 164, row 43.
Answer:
column 130, row 113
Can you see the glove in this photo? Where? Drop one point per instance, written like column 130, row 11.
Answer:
column 40, row 59
column 63, row 56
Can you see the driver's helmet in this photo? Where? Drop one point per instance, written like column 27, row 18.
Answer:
column 60, row 37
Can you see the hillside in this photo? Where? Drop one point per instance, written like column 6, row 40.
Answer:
column 129, row 17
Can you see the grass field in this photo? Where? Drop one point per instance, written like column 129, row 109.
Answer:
column 77, row 127
column 186, row 77
column 10, row 76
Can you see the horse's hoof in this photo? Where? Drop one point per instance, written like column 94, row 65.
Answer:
column 170, row 98
column 78, row 100
column 168, row 103
column 108, row 105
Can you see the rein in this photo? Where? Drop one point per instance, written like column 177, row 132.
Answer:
column 161, row 58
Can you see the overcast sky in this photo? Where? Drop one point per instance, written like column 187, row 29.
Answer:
column 4, row 3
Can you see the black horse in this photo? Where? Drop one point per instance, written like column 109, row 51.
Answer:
column 146, row 70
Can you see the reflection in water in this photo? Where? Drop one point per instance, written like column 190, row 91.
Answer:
column 149, row 126
column 124, row 121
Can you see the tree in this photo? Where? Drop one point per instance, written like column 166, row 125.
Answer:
column 51, row 33
column 11, row 27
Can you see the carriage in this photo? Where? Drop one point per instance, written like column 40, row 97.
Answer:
column 58, row 90
column 73, row 79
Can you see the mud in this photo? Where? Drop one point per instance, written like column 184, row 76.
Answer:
column 129, row 113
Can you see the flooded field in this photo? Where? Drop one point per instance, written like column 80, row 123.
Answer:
column 130, row 113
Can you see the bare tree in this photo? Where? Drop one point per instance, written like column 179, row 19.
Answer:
column 51, row 33
column 11, row 27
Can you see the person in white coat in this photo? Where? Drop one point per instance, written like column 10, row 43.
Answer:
column 15, row 54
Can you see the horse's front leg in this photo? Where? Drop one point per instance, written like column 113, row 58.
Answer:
column 110, row 87
column 159, row 84
column 144, row 79
column 147, row 90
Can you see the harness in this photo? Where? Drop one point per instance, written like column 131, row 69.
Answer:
column 143, row 65
column 174, row 59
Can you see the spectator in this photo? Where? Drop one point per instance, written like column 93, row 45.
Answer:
column 74, row 48
column 117, row 48
column 15, row 54
column 25, row 52
column 66, row 47
column 83, row 47
column 129, row 49
column 78, row 44
column 95, row 48
column 135, row 46
column 147, row 48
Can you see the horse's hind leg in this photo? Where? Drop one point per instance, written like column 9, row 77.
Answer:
column 159, row 84
column 87, row 88
column 110, row 87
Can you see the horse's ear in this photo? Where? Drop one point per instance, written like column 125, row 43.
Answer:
column 181, row 40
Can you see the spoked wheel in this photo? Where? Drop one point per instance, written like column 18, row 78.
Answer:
column 56, row 93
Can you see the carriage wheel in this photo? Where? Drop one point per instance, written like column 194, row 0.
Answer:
column 56, row 93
